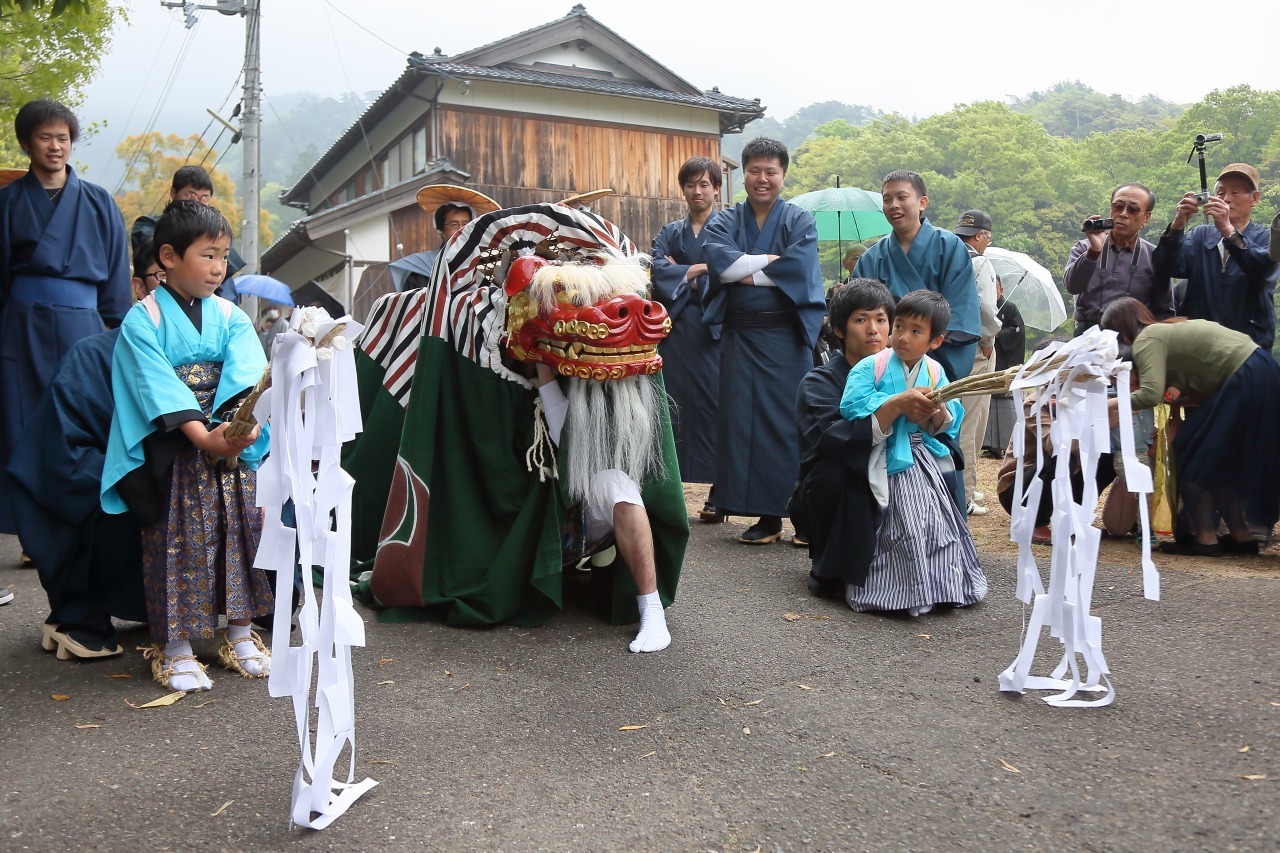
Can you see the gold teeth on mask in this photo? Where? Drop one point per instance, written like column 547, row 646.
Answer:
column 581, row 329
column 586, row 353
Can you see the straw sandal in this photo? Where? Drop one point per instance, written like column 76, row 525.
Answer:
column 165, row 668
column 53, row 637
column 229, row 654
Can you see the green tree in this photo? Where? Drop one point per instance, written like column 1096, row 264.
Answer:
column 153, row 158
column 49, row 50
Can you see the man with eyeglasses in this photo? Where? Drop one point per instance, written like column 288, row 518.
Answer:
column 1109, row 264
column 195, row 184
column 1230, row 277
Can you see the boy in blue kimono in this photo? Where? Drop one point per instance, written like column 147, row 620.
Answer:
column 924, row 555
column 184, row 360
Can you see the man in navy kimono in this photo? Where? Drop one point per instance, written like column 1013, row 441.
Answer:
column 917, row 256
column 691, row 352
column 766, row 293
column 64, row 270
column 90, row 563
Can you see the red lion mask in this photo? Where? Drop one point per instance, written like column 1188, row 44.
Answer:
column 586, row 320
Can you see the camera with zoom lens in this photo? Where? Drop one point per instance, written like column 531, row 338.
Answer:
column 1098, row 225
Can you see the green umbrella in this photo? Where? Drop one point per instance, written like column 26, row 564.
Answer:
column 845, row 213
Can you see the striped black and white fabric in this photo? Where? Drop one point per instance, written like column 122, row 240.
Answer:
column 462, row 304
column 925, row 555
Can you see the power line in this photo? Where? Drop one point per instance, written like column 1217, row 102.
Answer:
column 363, row 27
column 391, row 222
column 183, row 52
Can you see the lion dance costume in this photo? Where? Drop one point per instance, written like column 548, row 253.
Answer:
column 468, row 506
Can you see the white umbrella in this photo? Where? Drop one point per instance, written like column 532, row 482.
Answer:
column 1030, row 286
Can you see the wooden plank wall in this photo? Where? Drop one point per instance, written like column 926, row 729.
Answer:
column 520, row 159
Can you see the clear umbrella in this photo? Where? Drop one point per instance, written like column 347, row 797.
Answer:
column 1030, row 286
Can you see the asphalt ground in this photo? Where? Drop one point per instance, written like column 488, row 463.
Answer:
column 775, row 721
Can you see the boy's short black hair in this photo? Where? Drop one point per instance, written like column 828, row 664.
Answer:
column 858, row 294
column 44, row 111
column 446, row 208
column 928, row 305
column 696, row 167
column 143, row 257
column 764, row 148
column 910, row 177
column 192, row 176
column 185, row 221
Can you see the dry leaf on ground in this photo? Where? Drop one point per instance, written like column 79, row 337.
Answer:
column 385, row 661
column 746, row 730
column 88, row 726
column 222, row 808
column 649, row 754
column 755, row 702
column 119, row 675
column 388, row 681
column 827, row 755
column 1257, row 777
column 1004, row 765
column 59, row 697
column 791, row 617
column 632, row 728
column 158, row 703
column 804, row 687
column 1243, row 749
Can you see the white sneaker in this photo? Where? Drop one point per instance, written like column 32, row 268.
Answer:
column 6, row 595
column 979, row 497
column 975, row 509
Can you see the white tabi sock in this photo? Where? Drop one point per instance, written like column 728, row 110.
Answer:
column 246, row 652
column 187, row 675
column 653, row 636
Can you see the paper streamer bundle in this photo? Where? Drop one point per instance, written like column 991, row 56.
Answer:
column 1071, row 380
column 314, row 407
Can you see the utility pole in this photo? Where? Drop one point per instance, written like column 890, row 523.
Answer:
column 250, row 132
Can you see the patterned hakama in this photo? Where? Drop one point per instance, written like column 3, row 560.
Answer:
column 197, row 560
column 924, row 553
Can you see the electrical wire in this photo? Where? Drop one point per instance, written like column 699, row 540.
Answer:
column 363, row 27
column 167, row 89
column 391, row 222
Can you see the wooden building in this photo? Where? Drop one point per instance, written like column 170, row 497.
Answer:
column 563, row 108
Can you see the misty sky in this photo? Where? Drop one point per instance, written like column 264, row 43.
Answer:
column 913, row 58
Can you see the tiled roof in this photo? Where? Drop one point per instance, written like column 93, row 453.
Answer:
column 601, row 85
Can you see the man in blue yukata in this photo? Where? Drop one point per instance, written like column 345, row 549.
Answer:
column 691, row 352
column 766, row 292
column 64, row 270
column 917, row 256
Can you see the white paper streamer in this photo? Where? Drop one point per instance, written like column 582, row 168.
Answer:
column 313, row 406
column 1075, row 393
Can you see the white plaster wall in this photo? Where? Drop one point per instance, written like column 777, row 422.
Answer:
column 370, row 240
column 569, row 56
column 484, row 94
